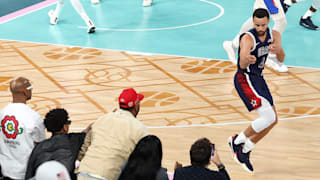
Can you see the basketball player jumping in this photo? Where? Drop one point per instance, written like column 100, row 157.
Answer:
column 255, row 46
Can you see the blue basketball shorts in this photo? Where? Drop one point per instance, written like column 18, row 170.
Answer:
column 251, row 89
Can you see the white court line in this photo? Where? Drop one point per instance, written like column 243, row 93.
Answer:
column 167, row 28
column 216, row 124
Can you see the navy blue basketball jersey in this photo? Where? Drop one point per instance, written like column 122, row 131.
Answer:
column 260, row 50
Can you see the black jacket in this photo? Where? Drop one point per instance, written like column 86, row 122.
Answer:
column 199, row 173
column 63, row 148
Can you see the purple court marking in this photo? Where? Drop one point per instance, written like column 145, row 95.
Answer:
column 27, row 10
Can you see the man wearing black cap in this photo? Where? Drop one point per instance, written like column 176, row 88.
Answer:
column 61, row 146
column 114, row 137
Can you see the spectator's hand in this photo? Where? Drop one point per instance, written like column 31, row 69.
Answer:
column 177, row 165
column 216, row 159
column 88, row 128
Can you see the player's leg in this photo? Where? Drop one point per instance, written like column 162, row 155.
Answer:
column 54, row 14
column 78, row 7
column 243, row 143
column 288, row 3
column 305, row 20
column 259, row 127
column 255, row 94
column 280, row 22
column 256, row 137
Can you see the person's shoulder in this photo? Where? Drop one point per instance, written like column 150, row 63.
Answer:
column 41, row 144
column 183, row 172
column 23, row 109
column 247, row 37
column 30, row 111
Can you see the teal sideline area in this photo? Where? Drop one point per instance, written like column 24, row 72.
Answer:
column 126, row 25
column 10, row 6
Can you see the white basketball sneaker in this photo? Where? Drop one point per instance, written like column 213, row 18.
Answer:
column 53, row 19
column 273, row 62
column 95, row 1
column 231, row 51
column 91, row 27
column 283, row 68
column 146, row 3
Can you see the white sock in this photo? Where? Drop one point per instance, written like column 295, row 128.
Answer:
column 78, row 7
column 59, row 7
column 248, row 146
column 307, row 14
column 241, row 138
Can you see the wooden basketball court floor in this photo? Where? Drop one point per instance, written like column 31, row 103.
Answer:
column 185, row 99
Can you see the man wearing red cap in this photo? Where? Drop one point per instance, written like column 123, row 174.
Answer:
column 113, row 137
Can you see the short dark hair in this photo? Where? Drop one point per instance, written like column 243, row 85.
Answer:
column 261, row 13
column 200, row 152
column 56, row 119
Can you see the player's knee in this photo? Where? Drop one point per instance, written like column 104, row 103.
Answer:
column 268, row 118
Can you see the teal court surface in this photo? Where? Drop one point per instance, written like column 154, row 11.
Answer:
column 193, row 28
